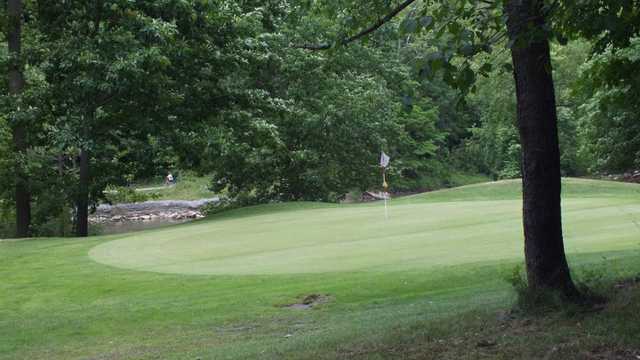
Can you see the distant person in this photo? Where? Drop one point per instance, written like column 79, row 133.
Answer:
column 169, row 180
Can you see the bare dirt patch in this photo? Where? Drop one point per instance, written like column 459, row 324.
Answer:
column 309, row 301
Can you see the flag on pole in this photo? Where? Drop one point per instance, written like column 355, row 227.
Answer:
column 384, row 160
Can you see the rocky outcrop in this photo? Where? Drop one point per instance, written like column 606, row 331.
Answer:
column 630, row 176
column 151, row 211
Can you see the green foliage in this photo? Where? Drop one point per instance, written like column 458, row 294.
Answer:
column 226, row 204
column 314, row 126
column 7, row 215
column 188, row 186
column 101, row 78
column 6, row 158
column 608, row 23
column 609, row 134
column 567, row 62
column 126, row 194
column 109, row 76
column 606, row 132
column 494, row 146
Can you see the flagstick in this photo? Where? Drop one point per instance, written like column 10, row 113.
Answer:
column 386, row 212
column 384, row 162
column 385, row 193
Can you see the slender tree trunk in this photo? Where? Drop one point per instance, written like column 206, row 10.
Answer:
column 64, row 213
column 82, row 202
column 16, row 85
column 547, row 267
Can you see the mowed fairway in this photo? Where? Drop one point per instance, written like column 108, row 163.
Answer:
column 215, row 289
column 422, row 231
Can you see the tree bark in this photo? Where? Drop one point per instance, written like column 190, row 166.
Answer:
column 547, row 267
column 82, row 202
column 19, row 133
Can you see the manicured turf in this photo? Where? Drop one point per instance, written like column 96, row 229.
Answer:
column 420, row 233
column 214, row 289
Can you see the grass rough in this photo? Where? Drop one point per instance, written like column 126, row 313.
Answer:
column 56, row 302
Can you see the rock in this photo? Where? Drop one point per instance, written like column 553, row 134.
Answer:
column 157, row 206
column 151, row 210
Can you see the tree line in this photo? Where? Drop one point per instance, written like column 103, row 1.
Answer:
column 292, row 100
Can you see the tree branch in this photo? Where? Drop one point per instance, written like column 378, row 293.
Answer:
column 362, row 33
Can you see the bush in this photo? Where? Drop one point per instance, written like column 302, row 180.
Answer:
column 215, row 208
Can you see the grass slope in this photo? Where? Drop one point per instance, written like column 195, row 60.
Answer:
column 436, row 297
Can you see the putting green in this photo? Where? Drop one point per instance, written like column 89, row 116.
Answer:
column 424, row 231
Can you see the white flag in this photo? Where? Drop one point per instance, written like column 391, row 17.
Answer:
column 384, row 160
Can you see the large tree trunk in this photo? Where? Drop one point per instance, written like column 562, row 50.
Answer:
column 16, row 85
column 82, row 202
column 547, row 267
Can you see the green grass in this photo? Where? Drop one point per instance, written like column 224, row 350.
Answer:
column 462, row 178
column 428, row 281
column 188, row 187
column 434, row 229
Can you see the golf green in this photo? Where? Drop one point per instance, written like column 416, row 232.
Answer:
column 422, row 231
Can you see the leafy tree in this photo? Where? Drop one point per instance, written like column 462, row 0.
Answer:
column 294, row 125
column 108, row 74
column 537, row 122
